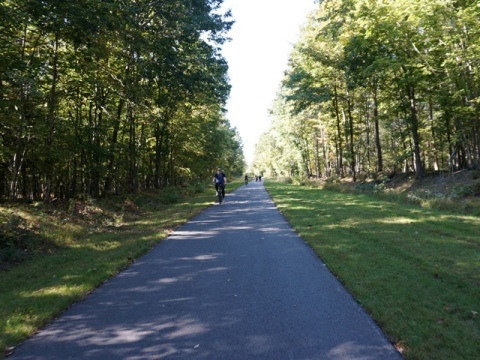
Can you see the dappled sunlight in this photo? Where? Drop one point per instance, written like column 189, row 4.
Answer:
column 300, row 207
column 186, row 328
column 240, row 212
column 57, row 290
column 465, row 220
column 172, row 280
column 175, row 300
column 397, row 220
column 352, row 350
column 145, row 221
column 186, row 235
column 202, row 257
column 203, row 221
column 333, row 226
column 118, row 336
column 260, row 344
column 270, row 230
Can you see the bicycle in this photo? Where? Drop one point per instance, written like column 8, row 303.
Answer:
column 219, row 179
column 246, row 181
column 220, row 192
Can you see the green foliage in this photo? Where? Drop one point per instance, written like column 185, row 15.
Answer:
column 299, row 180
column 112, row 98
column 19, row 241
column 370, row 187
column 377, row 86
column 14, row 240
column 170, row 195
column 466, row 190
column 196, row 188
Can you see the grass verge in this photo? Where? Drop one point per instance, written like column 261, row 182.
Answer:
column 415, row 270
column 82, row 252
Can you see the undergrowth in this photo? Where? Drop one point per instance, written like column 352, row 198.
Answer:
column 23, row 226
column 458, row 194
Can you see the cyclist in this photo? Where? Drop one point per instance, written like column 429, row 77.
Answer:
column 220, row 180
column 246, row 179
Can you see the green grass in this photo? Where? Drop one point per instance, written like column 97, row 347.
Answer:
column 83, row 254
column 415, row 270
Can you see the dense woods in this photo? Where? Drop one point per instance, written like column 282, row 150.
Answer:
column 109, row 96
column 379, row 86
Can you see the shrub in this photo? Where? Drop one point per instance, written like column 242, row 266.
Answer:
column 19, row 243
column 170, row 195
column 286, row 180
column 334, row 179
column 466, row 190
column 299, row 180
column 364, row 187
column 195, row 188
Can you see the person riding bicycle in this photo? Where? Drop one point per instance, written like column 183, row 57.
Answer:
column 220, row 180
column 246, row 179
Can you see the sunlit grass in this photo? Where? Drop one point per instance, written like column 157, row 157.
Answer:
column 84, row 256
column 417, row 271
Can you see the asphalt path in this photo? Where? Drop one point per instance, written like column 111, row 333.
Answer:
column 236, row 282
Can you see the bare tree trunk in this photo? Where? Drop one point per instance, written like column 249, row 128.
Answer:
column 339, row 134
column 378, row 144
column 419, row 170
column 160, row 137
column 22, row 139
column 434, row 147
column 113, row 144
column 52, row 104
column 132, row 173
column 317, row 155
column 326, row 161
column 351, row 133
column 17, row 163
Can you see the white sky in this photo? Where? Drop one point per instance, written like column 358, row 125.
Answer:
column 262, row 38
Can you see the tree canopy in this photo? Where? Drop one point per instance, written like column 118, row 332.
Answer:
column 375, row 86
column 108, row 96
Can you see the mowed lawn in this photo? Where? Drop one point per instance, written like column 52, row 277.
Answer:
column 416, row 271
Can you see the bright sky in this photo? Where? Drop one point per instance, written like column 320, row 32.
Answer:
column 262, row 39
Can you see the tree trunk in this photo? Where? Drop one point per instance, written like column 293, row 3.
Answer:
column 113, row 144
column 434, row 145
column 317, row 155
column 351, row 133
column 160, row 133
column 52, row 103
column 339, row 134
column 378, row 144
column 132, row 172
column 18, row 157
column 419, row 170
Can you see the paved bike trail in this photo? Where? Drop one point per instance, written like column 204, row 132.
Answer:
column 236, row 282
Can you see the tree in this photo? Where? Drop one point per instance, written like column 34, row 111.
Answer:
column 102, row 97
column 404, row 72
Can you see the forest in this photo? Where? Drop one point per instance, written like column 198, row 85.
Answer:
column 378, row 86
column 102, row 97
